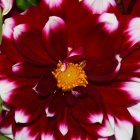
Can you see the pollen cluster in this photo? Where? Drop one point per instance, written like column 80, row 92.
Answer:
column 69, row 75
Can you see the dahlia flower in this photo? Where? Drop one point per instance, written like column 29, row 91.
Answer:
column 69, row 73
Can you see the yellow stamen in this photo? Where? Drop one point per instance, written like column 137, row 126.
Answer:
column 70, row 75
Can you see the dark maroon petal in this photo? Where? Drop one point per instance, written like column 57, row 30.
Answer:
column 88, row 111
column 7, row 122
column 95, row 40
column 55, row 37
column 119, row 93
column 76, row 131
column 62, row 121
column 56, row 103
column 33, row 50
column 7, row 47
column 79, row 92
column 24, row 69
column 12, row 91
column 29, row 112
column 104, row 70
column 47, row 128
column 99, row 129
column 27, row 132
column 70, row 99
column 46, row 85
column 121, row 112
column 130, row 68
column 5, row 67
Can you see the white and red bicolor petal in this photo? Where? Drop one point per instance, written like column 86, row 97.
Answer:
column 48, row 113
column 20, row 116
column 19, row 29
column 55, row 37
column 8, row 27
column 6, row 123
column 85, row 111
column 7, row 130
column 132, row 89
column 6, row 89
column 8, row 45
column 111, row 69
column 135, row 112
column 130, row 68
column 122, row 91
column 53, row 3
column 133, row 31
column 99, row 6
column 123, row 130
column 110, row 22
column 24, row 133
column 63, row 128
column 131, row 36
column 48, row 136
column 106, row 130
column 95, row 118
column 31, row 50
column 24, row 69
column 6, row 5
column 29, row 112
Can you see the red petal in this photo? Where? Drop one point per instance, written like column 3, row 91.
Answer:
column 30, row 111
column 87, row 108
column 32, row 50
column 46, row 85
column 70, row 99
column 55, row 37
column 24, row 69
column 8, row 45
column 6, row 123
column 5, row 67
column 120, row 93
column 103, row 70
column 130, row 68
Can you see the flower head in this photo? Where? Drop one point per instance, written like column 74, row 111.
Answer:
column 63, row 78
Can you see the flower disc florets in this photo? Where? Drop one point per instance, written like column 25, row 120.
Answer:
column 70, row 75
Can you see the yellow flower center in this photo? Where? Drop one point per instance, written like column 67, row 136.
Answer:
column 70, row 75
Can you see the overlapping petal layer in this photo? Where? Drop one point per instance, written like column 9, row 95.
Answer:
column 108, row 52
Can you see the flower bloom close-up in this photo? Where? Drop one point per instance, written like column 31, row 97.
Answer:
column 69, row 70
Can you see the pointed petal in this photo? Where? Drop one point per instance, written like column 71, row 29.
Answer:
column 100, row 6
column 110, row 22
column 55, row 38
column 53, row 3
column 23, row 69
column 63, row 128
column 111, row 69
column 123, row 130
column 32, row 50
column 135, row 111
